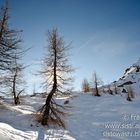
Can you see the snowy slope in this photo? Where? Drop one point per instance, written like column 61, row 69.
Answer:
column 92, row 118
column 132, row 73
column 130, row 78
column 19, row 123
column 92, row 114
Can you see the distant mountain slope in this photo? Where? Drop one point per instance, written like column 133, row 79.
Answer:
column 131, row 77
column 132, row 73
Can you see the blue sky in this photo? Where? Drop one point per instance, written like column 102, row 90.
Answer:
column 105, row 34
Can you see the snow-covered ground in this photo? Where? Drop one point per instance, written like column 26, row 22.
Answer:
column 92, row 118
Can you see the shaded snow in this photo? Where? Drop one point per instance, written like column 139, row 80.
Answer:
column 10, row 133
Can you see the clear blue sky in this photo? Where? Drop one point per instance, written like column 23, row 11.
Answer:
column 105, row 34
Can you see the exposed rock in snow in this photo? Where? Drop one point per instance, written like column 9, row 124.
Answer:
column 131, row 78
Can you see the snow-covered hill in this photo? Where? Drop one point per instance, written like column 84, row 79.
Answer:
column 92, row 118
column 132, row 73
column 130, row 78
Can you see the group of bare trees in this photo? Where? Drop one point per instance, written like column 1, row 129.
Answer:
column 92, row 85
column 56, row 70
column 10, row 54
column 95, row 82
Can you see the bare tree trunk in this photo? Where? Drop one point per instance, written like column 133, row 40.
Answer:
column 46, row 112
column 14, row 88
column 16, row 97
column 96, row 83
column 128, row 98
column 96, row 90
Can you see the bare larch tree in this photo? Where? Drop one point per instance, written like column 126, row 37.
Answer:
column 14, row 81
column 85, row 86
column 10, row 53
column 96, row 81
column 56, row 71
